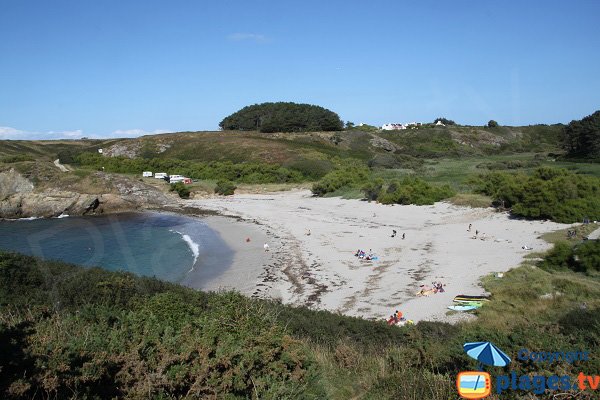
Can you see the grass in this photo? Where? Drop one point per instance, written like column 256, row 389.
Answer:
column 561, row 235
column 471, row 200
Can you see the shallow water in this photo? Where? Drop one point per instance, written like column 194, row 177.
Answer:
column 151, row 244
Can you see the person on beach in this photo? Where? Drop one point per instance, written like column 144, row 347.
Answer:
column 476, row 233
column 403, row 236
column 266, row 247
column 393, row 233
column 469, row 230
column 247, row 240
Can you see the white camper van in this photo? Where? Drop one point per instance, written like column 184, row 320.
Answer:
column 147, row 174
column 160, row 175
column 176, row 178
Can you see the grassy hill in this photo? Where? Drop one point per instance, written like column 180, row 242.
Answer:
column 289, row 148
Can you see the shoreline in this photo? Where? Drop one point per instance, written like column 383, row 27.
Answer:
column 320, row 271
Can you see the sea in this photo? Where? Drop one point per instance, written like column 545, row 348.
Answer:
column 165, row 246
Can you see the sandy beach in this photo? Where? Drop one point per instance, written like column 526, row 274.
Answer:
column 320, row 270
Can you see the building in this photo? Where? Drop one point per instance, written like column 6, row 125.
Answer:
column 393, row 127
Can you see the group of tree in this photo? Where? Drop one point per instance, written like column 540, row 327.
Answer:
column 581, row 138
column 283, row 117
column 444, row 121
column 547, row 193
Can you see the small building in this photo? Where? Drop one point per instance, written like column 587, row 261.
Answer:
column 393, row 127
column 439, row 123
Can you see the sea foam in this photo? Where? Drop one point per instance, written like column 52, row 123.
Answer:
column 194, row 247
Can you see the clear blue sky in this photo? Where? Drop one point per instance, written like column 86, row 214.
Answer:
column 117, row 67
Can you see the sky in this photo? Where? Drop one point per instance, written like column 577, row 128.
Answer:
column 124, row 68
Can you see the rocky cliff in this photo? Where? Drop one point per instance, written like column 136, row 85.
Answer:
column 20, row 198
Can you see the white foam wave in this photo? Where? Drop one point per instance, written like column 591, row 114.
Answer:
column 23, row 219
column 63, row 215
column 194, row 247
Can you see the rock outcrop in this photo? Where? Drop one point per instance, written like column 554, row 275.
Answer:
column 19, row 199
column 12, row 182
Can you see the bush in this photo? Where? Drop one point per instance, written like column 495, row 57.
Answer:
column 346, row 175
column 225, row 188
column 548, row 193
column 584, row 257
column 409, row 190
column 181, row 190
column 240, row 172
column 168, row 342
column 16, row 158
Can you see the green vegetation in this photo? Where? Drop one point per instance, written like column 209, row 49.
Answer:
column 345, row 175
column 247, row 172
column 225, row 188
column 444, row 121
column 181, row 189
column 585, row 257
column 548, row 193
column 69, row 332
column 354, row 176
column 283, row 117
column 492, row 124
column 16, row 158
column 409, row 190
column 581, row 138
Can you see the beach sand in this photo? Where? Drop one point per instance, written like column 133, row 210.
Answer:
column 245, row 274
column 320, row 270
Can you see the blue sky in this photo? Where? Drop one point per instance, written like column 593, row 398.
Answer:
column 124, row 68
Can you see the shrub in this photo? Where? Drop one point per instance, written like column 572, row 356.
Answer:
column 216, row 170
column 181, row 190
column 347, row 175
column 411, row 190
column 547, row 193
column 225, row 188
column 16, row 158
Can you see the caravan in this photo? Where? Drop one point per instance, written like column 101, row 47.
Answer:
column 147, row 174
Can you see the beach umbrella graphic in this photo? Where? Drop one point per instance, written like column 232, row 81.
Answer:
column 486, row 353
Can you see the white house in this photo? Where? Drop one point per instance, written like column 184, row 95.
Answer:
column 393, row 127
column 439, row 123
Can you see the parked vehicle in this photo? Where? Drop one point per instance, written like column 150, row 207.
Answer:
column 176, row 178
column 187, row 181
column 147, row 174
column 160, row 175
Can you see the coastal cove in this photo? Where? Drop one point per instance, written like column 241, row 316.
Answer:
column 180, row 249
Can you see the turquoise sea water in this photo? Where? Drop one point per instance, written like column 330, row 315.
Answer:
column 152, row 244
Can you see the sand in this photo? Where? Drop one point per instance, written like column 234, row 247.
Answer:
column 245, row 274
column 320, row 270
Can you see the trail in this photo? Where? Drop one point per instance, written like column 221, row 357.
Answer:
column 60, row 166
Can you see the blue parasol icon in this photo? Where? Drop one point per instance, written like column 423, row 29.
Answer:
column 486, row 353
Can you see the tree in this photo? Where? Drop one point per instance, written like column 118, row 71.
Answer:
column 349, row 124
column 492, row 124
column 582, row 138
column 444, row 121
column 283, row 117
